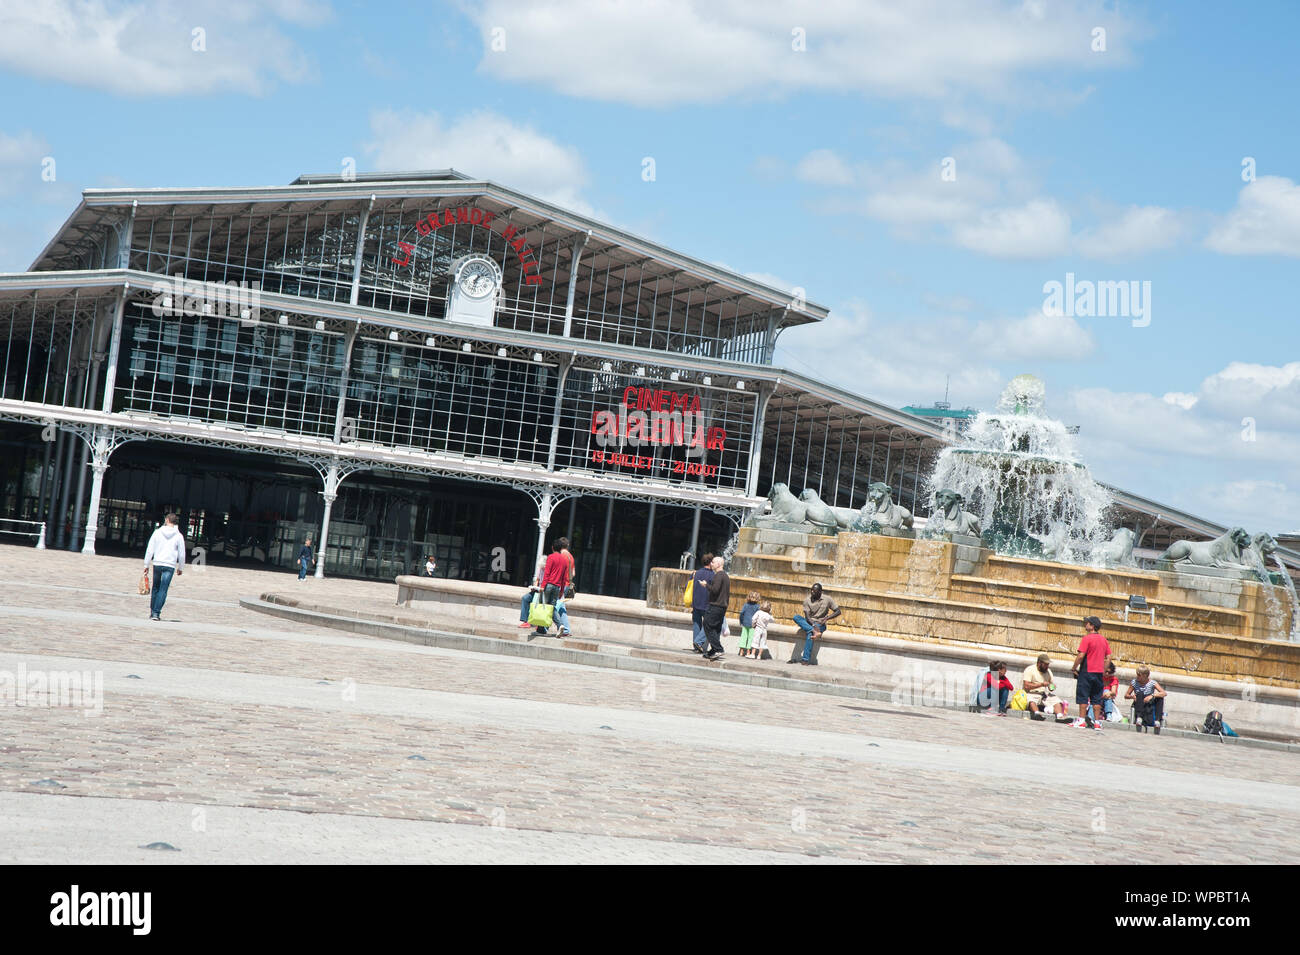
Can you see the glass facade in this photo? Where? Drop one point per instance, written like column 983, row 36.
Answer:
column 619, row 295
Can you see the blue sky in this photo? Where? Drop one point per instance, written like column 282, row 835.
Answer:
column 802, row 144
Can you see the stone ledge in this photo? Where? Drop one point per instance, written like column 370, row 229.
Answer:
column 645, row 660
column 998, row 582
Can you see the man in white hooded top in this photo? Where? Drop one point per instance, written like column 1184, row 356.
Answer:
column 167, row 554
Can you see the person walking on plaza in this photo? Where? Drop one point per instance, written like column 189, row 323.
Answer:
column 747, row 623
column 166, row 554
column 567, row 551
column 430, row 566
column 1089, row 669
column 305, row 559
column 818, row 610
column 719, row 591
column 700, row 601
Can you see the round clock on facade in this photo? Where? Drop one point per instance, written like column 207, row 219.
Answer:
column 478, row 277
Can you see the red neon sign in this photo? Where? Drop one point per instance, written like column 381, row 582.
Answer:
column 474, row 216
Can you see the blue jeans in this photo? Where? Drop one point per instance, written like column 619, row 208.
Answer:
column 986, row 698
column 562, row 617
column 697, row 624
column 524, row 604
column 162, row 579
column 302, row 569
column 808, row 629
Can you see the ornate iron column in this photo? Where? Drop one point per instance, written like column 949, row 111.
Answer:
column 332, row 472
column 103, row 441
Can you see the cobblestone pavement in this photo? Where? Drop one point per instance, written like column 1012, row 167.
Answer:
column 221, row 726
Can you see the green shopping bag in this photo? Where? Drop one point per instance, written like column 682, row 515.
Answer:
column 541, row 614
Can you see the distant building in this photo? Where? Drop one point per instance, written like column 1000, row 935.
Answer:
column 956, row 420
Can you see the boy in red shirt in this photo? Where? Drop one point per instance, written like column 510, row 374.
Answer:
column 555, row 575
column 1089, row 669
column 997, row 673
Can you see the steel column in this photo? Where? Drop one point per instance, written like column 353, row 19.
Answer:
column 604, row 547
column 579, row 243
column 645, row 557
column 103, row 447
column 544, row 508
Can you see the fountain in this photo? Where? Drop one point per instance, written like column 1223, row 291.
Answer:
column 1018, row 472
column 1287, row 582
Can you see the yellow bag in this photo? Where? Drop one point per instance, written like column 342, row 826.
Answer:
column 688, row 595
column 541, row 614
column 1019, row 701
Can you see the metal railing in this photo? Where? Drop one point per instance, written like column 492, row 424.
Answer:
column 37, row 529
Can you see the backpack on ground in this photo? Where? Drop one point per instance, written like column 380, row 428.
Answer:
column 1213, row 724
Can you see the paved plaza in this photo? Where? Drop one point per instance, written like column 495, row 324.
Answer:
column 234, row 736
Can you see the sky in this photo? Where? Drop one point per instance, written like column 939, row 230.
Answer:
column 926, row 170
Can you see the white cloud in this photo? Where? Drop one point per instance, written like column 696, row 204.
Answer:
column 981, row 198
column 1268, row 393
column 1038, row 229
column 664, row 52
column 20, row 162
column 912, row 209
column 484, row 145
column 1265, row 221
column 1257, row 505
column 1139, row 229
column 898, row 362
column 1195, row 450
column 824, row 167
column 35, row 205
column 146, row 48
column 913, row 360
column 1035, row 337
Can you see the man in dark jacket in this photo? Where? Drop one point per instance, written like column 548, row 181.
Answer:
column 719, row 589
column 700, row 601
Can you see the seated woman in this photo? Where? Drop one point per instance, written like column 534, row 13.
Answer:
column 526, row 601
column 997, row 673
column 1149, row 701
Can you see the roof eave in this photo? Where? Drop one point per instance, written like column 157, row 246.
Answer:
column 363, row 189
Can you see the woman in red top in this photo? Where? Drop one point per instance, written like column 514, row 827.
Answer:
column 1005, row 688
